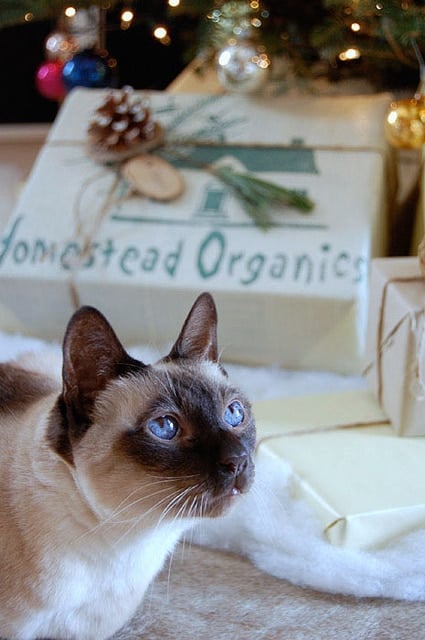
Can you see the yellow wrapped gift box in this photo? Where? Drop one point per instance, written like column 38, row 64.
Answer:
column 366, row 485
column 395, row 342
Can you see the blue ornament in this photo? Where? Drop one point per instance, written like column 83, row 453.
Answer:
column 86, row 69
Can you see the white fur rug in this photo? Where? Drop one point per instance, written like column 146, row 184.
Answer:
column 277, row 533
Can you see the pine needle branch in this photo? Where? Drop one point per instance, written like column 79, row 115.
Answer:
column 259, row 196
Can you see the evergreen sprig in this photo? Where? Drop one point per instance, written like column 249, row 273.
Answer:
column 259, row 197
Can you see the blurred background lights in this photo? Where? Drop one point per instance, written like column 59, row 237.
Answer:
column 161, row 33
column 224, row 58
column 355, row 27
column 349, row 54
column 127, row 17
column 173, row 3
column 392, row 117
column 70, row 12
column 262, row 60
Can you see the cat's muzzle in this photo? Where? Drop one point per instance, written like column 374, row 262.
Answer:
column 236, row 474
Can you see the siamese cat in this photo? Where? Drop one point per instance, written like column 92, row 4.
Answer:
column 103, row 469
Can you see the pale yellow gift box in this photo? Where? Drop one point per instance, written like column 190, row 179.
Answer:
column 365, row 484
column 395, row 361
column 295, row 296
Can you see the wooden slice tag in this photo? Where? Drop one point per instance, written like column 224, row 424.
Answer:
column 153, row 177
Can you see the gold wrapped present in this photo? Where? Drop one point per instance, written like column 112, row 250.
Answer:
column 294, row 295
column 395, row 342
column 365, row 484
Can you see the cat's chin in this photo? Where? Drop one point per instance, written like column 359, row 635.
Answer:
column 219, row 505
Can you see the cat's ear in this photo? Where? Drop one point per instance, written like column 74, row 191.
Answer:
column 92, row 356
column 198, row 337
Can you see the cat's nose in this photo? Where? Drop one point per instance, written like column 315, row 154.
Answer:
column 235, row 465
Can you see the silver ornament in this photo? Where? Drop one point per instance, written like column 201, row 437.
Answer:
column 59, row 45
column 242, row 67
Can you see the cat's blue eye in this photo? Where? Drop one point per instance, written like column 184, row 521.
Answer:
column 234, row 414
column 165, row 427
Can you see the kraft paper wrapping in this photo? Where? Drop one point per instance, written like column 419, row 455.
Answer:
column 395, row 342
column 418, row 226
column 72, row 240
column 365, row 484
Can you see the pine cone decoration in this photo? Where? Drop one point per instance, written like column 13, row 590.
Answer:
column 122, row 126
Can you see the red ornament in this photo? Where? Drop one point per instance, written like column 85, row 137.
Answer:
column 49, row 81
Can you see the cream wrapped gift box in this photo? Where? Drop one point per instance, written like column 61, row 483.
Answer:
column 365, row 484
column 395, row 342
column 294, row 296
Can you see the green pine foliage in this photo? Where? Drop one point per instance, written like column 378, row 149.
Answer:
column 387, row 30
column 309, row 34
column 13, row 12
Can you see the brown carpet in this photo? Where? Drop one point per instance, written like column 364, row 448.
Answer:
column 221, row 596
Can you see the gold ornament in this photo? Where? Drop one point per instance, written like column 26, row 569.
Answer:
column 405, row 123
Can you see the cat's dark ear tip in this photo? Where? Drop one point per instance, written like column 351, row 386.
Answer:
column 207, row 298
column 86, row 321
column 86, row 316
column 85, row 310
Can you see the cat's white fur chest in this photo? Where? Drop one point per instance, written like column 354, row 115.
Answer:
column 97, row 592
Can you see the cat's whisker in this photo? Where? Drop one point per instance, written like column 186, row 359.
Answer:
column 140, row 517
column 203, row 506
column 121, row 508
column 193, row 513
column 181, row 514
column 172, row 499
column 165, row 478
column 170, row 563
column 175, row 502
column 126, row 499
column 155, row 506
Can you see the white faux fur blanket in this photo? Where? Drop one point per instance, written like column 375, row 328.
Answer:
column 279, row 534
